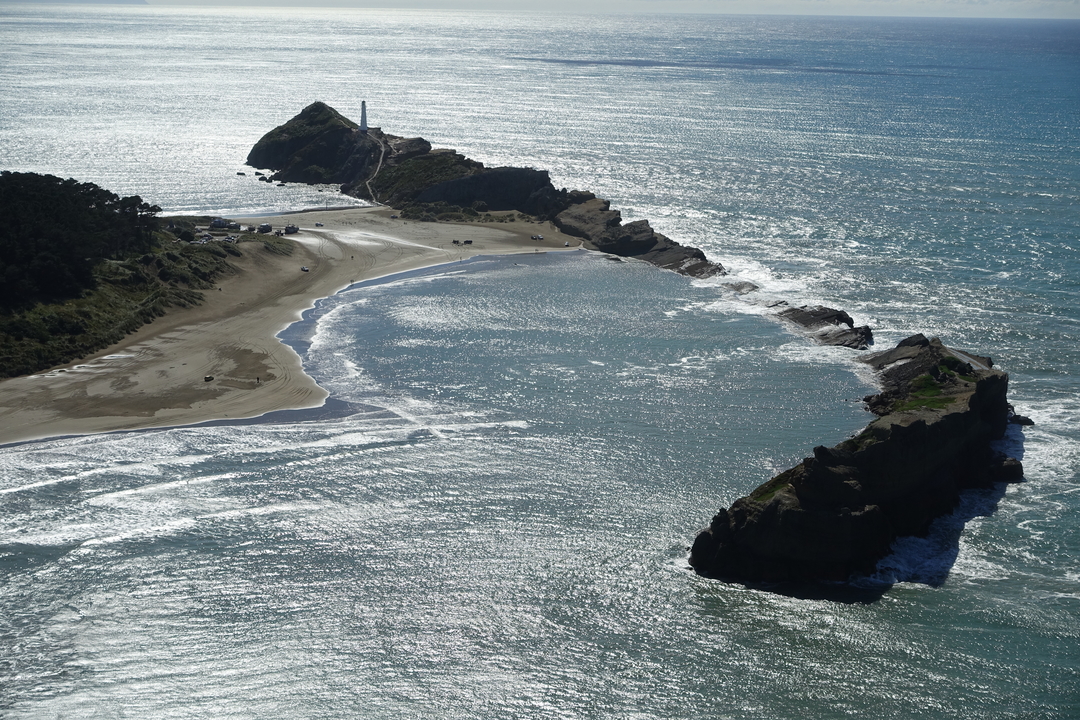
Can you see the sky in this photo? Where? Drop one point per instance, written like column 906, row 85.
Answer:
column 912, row 8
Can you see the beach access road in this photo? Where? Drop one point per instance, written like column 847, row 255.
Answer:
column 222, row 359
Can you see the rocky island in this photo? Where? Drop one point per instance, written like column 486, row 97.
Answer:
column 837, row 513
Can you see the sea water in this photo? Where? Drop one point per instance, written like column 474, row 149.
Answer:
column 491, row 517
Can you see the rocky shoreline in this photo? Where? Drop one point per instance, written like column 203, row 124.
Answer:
column 832, row 516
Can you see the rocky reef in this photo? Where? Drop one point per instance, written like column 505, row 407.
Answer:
column 829, row 326
column 836, row 514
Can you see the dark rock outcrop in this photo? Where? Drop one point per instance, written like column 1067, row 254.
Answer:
column 601, row 228
column 829, row 326
column 313, row 147
column 837, row 513
column 321, row 146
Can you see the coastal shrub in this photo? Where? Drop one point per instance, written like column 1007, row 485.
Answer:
column 398, row 184
column 55, row 230
column 126, row 293
column 764, row 493
column 272, row 243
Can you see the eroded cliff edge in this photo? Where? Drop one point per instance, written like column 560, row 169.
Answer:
column 836, row 514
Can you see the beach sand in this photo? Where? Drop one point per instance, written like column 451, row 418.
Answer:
column 156, row 377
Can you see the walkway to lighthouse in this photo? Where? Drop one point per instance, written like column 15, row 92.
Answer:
column 382, row 154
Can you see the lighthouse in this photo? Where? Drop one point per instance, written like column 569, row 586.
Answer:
column 363, row 116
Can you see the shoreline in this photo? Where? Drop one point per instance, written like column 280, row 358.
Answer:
column 155, row 377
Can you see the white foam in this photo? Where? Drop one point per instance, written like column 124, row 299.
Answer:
column 160, row 487
column 930, row 560
column 42, row 483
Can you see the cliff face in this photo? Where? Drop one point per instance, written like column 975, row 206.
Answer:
column 837, row 513
column 321, row 146
column 314, row 147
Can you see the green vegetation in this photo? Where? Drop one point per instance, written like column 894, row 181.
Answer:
column 272, row 243
column 82, row 268
column 444, row 212
column 925, row 386
column 864, row 439
column 399, row 184
column 316, row 118
column 317, row 133
column 926, row 392
column 55, row 231
column 764, row 493
column 952, row 366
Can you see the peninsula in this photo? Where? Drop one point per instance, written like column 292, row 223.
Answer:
column 320, row 145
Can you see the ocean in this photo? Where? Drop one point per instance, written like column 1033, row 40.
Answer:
column 491, row 519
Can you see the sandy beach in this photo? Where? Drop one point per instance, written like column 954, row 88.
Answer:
column 156, row 377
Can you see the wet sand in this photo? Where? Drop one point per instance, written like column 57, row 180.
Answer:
column 156, row 377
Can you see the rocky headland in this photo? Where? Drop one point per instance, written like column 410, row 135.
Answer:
column 424, row 183
column 833, row 515
column 321, row 146
column 837, row 513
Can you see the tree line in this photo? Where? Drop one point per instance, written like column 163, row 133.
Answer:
column 53, row 231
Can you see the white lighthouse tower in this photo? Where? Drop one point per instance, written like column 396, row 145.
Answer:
column 363, row 116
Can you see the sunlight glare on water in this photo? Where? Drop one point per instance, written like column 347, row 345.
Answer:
column 497, row 522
